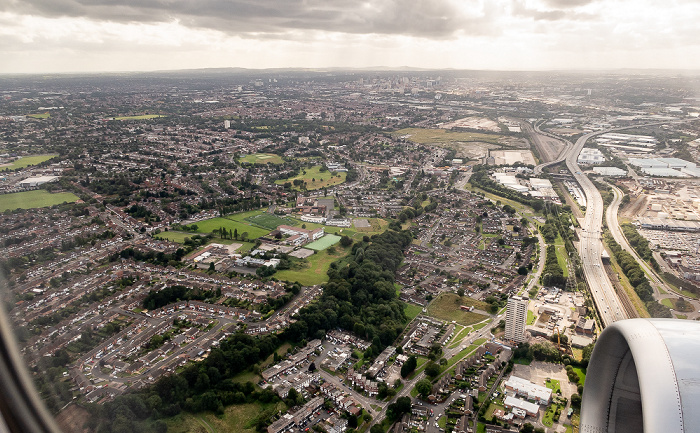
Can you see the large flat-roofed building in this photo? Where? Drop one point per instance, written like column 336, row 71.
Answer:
column 516, row 316
column 531, row 409
column 529, row 390
column 31, row 182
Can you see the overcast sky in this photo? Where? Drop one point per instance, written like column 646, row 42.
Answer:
column 136, row 35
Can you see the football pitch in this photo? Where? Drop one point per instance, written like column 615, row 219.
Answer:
column 269, row 221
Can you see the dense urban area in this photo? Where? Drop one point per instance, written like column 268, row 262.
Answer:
column 339, row 251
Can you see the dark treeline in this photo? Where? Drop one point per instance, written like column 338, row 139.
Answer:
column 639, row 243
column 637, row 279
column 552, row 275
column 161, row 298
column 360, row 295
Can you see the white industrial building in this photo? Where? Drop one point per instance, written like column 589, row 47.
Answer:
column 31, row 182
column 591, row 156
column 610, row 171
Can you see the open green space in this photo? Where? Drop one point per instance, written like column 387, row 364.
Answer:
column 531, row 317
column 314, row 178
column 527, row 210
column 447, row 307
column 139, row 117
column 236, row 418
column 262, row 158
column 270, row 221
column 442, row 422
column 173, row 236
column 667, row 302
column 457, row 339
column 323, row 243
column 39, row 115
column 444, row 136
column 464, row 352
column 313, row 270
column 581, row 375
column 548, row 417
column 561, row 255
column 34, row 199
column 491, row 409
column 553, row 384
column 208, row 226
column 26, row 161
column 179, row 237
column 411, row 310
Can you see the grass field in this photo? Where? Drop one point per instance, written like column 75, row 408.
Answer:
column 459, row 336
column 447, row 307
column 411, row 310
column 262, row 158
column 554, row 385
column 315, row 269
column 561, row 255
column 236, row 418
column 315, row 179
column 208, row 226
column 39, row 115
column 323, row 243
column 141, row 117
column 270, row 221
column 178, row 237
column 530, row 317
column 34, row 199
column 26, row 161
column 464, row 352
column 443, row 136
column 581, row 375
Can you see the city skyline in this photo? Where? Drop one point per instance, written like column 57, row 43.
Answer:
column 69, row 36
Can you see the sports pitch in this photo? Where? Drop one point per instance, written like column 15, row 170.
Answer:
column 262, row 158
column 34, row 199
column 26, row 161
column 270, row 221
column 323, row 243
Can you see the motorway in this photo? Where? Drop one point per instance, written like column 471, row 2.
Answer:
column 591, row 246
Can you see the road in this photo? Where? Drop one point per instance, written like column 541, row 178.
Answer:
column 661, row 289
column 439, row 408
column 591, row 246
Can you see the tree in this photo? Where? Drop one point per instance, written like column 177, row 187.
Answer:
column 527, row 428
column 408, row 366
column 235, row 234
column 424, row 387
column 345, row 241
column 460, row 292
column 575, row 400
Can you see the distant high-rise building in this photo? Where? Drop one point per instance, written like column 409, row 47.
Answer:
column 227, row 124
column 516, row 316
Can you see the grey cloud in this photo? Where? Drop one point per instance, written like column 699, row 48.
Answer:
column 563, row 4
column 434, row 19
column 519, row 9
